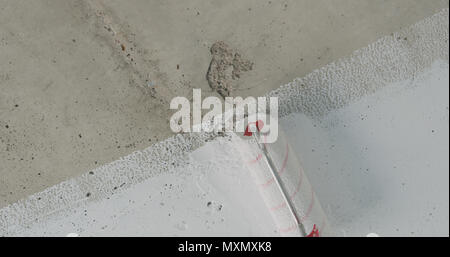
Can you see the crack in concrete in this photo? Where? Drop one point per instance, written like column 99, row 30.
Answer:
column 144, row 72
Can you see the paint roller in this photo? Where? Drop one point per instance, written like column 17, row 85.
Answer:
column 283, row 184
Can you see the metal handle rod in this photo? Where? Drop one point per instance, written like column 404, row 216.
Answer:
column 280, row 184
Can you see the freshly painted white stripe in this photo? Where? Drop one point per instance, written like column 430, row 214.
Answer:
column 380, row 165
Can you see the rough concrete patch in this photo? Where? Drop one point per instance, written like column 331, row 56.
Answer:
column 226, row 65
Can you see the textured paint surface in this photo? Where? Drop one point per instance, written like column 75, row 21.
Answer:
column 205, row 196
column 381, row 164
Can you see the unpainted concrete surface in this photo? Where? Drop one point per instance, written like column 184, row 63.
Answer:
column 85, row 82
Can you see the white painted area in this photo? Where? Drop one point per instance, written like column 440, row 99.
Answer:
column 381, row 164
column 208, row 196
